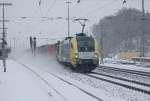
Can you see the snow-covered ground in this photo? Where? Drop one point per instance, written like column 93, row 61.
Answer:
column 37, row 82
column 46, row 64
column 128, row 65
column 18, row 84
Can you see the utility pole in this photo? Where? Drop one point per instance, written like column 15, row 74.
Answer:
column 143, row 8
column 4, row 35
column 143, row 32
column 82, row 23
column 101, row 43
column 68, row 9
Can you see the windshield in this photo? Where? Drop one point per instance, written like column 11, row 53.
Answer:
column 85, row 44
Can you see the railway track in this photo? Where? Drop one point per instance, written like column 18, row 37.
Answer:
column 142, row 73
column 69, row 83
column 90, row 94
column 129, row 84
column 44, row 80
column 123, row 79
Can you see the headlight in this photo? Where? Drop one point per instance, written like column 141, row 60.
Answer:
column 95, row 55
column 76, row 55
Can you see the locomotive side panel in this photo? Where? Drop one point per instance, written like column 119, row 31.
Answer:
column 74, row 51
column 65, row 51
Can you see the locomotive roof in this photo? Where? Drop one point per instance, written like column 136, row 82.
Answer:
column 80, row 34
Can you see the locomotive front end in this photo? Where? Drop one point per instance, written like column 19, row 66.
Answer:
column 87, row 56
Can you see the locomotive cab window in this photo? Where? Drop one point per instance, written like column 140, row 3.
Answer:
column 85, row 44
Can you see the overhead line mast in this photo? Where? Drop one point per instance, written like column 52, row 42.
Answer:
column 3, row 51
column 68, row 17
column 143, row 32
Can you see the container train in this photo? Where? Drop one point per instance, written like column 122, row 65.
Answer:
column 81, row 52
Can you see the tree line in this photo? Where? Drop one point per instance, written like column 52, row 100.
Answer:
column 127, row 30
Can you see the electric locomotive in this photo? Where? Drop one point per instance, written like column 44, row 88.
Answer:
column 81, row 52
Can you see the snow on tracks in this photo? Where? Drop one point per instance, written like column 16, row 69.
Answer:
column 70, row 90
column 137, row 72
column 130, row 84
column 50, row 79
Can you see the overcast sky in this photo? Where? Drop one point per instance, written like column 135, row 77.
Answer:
column 35, row 25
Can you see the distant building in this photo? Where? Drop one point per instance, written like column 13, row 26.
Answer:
column 128, row 55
